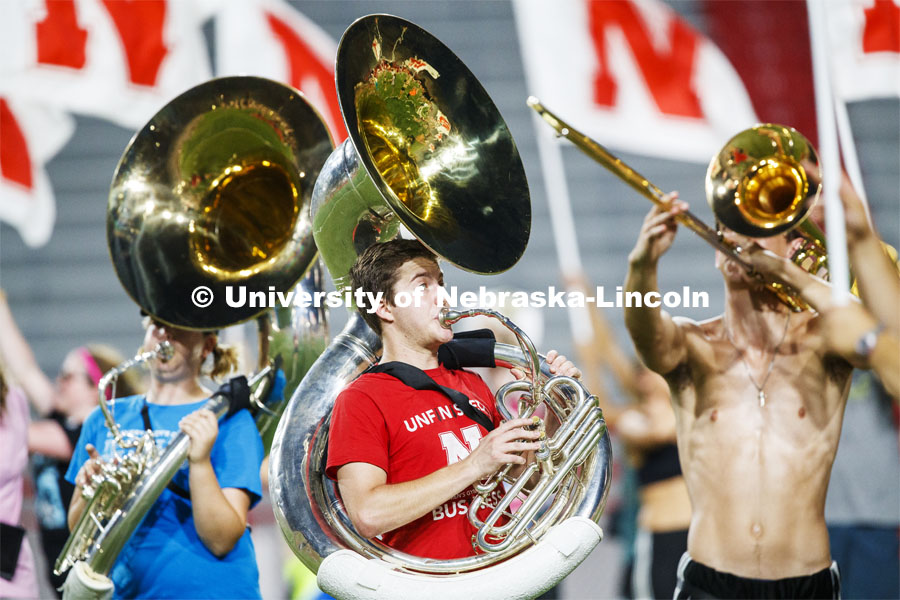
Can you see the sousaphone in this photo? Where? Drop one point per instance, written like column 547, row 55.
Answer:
column 428, row 151
column 212, row 192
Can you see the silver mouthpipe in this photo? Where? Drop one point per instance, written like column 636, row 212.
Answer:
column 449, row 316
column 164, row 351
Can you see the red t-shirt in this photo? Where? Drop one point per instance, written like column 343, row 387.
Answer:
column 409, row 434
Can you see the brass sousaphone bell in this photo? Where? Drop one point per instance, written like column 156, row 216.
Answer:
column 214, row 192
column 427, row 149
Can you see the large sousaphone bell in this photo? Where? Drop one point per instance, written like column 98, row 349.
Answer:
column 214, row 192
column 427, row 149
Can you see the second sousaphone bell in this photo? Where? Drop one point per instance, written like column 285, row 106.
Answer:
column 214, row 191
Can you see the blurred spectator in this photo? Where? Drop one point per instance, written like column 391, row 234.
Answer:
column 17, row 576
column 863, row 505
column 63, row 406
column 647, row 429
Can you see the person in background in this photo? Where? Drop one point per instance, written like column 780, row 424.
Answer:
column 17, row 574
column 655, row 511
column 862, row 509
column 647, row 428
column 194, row 541
column 61, row 407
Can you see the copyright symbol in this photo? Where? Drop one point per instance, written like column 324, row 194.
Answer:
column 202, row 296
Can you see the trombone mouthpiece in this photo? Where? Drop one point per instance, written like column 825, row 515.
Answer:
column 448, row 317
column 164, row 351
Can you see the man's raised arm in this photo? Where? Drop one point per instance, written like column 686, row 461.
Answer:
column 657, row 339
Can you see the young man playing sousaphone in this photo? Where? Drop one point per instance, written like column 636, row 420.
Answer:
column 759, row 403
column 405, row 459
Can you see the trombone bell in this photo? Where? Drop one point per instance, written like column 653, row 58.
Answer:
column 764, row 181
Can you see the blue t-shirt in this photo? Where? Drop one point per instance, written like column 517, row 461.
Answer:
column 165, row 557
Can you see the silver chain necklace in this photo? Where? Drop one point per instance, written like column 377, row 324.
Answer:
column 760, row 388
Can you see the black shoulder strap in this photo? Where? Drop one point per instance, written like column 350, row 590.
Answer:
column 173, row 487
column 419, row 380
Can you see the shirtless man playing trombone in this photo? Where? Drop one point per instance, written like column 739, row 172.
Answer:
column 759, row 403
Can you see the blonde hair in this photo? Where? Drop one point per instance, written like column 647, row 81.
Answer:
column 225, row 360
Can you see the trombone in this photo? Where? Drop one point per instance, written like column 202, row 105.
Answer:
column 757, row 193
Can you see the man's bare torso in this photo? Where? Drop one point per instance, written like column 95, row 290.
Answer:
column 758, row 475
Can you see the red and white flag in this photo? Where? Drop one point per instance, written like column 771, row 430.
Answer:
column 864, row 47
column 29, row 136
column 120, row 60
column 270, row 39
column 633, row 75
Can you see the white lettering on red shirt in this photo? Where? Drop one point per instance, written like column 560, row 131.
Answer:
column 454, row 447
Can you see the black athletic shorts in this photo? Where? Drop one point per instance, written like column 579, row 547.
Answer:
column 697, row 581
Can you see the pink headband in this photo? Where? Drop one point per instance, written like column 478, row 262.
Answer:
column 92, row 368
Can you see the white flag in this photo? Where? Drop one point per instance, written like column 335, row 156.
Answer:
column 633, row 75
column 31, row 135
column 270, row 39
column 116, row 59
column 864, row 47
